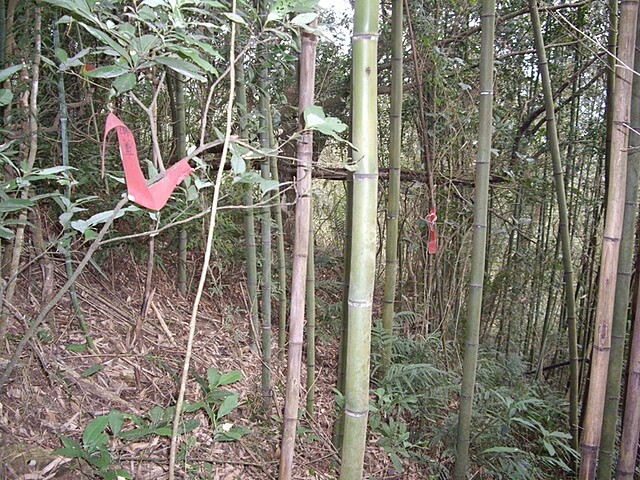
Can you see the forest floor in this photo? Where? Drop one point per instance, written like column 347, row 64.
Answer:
column 60, row 386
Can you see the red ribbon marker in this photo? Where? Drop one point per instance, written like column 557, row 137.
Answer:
column 431, row 218
column 154, row 195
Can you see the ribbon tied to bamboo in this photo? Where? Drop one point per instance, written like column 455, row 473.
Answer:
column 432, row 247
column 154, row 194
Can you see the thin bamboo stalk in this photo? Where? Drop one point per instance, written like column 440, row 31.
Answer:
column 250, row 252
column 393, row 200
column 310, row 301
column 300, row 256
column 265, row 228
column 476, row 282
column 32, row 128
column 558, row 177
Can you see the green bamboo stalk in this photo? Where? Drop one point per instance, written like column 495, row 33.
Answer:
column 338, row 428
column 249, row 220
column 623, row 288
column 558, row 177
column 476, row 281
column 267, row 262
column 612, row 41
column 363, row 247
column 29, row 161
column 310, row 308
column 590, row 443
column 265, row 220
column 64, row 154
column 300, row 256
column 180, row 123
column 393, row 199
column 281, row 263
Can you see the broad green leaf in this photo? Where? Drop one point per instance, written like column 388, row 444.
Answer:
column 136, row 433
column 61, row 55
column 197, row 59
column 109, row 71
column 108, row 41
column 156, row 415
column 268, row 185
column 234, row 17
column 121, row 473
column 79, row 8
column 91, row 370
column 52, row 170
column 75, row 347
column 6, row 97
column 101, row 458
column 228, row 404
column 192, row 193
column 238, row 164
column 181, row 66
column 213, row 377
column 69, row 442
column 80, row 225
column 124, row 83
column 145, row 43
column 234, row 433
column 501, row 450
column 248, row 177
column 69, row 452
column 93, row 434
column 200, row 184
column 230, row 377
column 6, row 234
column 549, row 447
column 155, row 3
column 188, row 426
column 116, row 419
column 15, row 205
column 5, row 73
column 315, row 118
column 192, row 407
column 304, row 19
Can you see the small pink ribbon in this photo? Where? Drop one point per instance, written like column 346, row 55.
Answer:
column 155, row 194
column 432, row 247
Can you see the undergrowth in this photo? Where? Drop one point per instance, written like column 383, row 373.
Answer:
column 519, row 428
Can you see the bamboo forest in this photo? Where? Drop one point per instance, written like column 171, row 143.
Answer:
column 315, row 239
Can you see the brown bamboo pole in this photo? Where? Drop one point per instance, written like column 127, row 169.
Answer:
column 300, row 254
column 590, row 443
column 626, row 467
